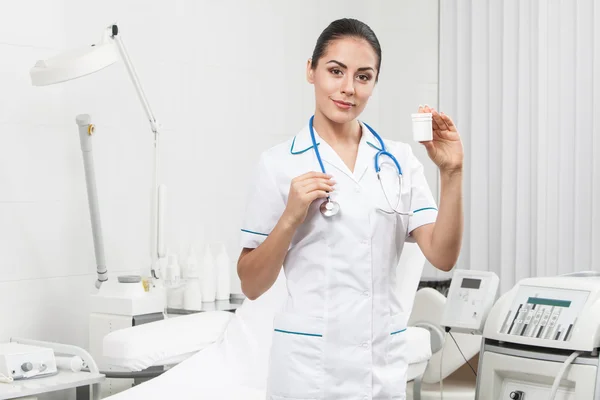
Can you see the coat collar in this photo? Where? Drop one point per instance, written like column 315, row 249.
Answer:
column 367, row 148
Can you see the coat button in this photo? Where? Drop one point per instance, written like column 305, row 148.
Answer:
column 357, row 189
column 365, row 345
column 366, row 293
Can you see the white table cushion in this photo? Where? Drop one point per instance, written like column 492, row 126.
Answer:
column 419, row 348
column 160, row 342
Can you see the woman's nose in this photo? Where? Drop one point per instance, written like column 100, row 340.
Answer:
column 348, row 86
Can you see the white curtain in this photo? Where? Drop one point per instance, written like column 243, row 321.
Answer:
column 522, row 80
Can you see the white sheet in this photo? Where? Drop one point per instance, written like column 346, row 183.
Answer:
column 214, row 374
column 206, row 375
column 235, row 367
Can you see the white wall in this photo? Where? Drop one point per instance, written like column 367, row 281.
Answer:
column 225, row 79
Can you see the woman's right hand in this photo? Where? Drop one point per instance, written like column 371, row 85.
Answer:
column 305, row 189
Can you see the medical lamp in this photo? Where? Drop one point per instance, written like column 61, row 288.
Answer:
column 82, row 62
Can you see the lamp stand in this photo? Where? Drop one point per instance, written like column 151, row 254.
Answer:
column 86, row 130
column 157, row 246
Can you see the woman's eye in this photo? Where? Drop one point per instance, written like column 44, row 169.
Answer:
column 364, row 77
column 336, row 71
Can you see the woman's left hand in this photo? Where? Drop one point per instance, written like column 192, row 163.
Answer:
column 446, row 149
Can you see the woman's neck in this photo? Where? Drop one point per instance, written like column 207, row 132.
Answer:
column 335, row 133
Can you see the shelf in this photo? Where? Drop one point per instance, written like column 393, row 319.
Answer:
column 61, row 381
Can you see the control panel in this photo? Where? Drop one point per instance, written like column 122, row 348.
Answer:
column 470, row 298
column 544, row 312
column 19, row 361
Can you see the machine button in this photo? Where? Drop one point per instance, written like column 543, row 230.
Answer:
column 517, row 395
column 26, row 367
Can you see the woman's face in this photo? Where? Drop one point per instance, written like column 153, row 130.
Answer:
column 344, row 79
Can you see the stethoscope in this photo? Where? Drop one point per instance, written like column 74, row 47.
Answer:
column 329, row 207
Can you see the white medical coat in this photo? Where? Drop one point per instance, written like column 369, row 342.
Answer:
column 340, row 335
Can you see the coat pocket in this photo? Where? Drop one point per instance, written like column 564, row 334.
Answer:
column 397, row 356
column 296, row 360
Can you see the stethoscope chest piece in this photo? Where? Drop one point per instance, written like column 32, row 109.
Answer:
column 329, row 208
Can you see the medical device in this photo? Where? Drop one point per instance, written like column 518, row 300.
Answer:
column 470, row 299
column 20, row 361
column 54, row 381
column 329, row 208
column 82, row 62
column 541, row 341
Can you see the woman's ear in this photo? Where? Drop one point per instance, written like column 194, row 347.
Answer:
column 310, row 73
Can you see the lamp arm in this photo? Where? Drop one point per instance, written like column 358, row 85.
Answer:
column 134, row 77
column 157, row 247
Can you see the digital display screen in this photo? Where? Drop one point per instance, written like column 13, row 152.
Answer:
column 549, row 302
column 470, row 283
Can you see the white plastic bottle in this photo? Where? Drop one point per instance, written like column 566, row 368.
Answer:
column 172, row 282
column 191, row 267
column 192, row 295
column 223, row 273
column 172, row 272
column 209, row 280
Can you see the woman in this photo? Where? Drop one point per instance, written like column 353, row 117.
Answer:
column 340, row 335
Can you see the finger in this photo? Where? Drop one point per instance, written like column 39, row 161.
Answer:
column 437, row 121
column 318, row 186
column 314, row 175
column 442, row 134
column 306, row 182
column 311, row 175
column 427, row 109
column 434, row 124
column 312, row 196
column 420, row 109
column 448, row 122
column 443, row 125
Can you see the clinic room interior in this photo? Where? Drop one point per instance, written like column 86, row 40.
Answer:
column 300, row 200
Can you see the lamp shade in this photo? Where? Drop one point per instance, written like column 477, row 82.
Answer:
column 74, row 64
